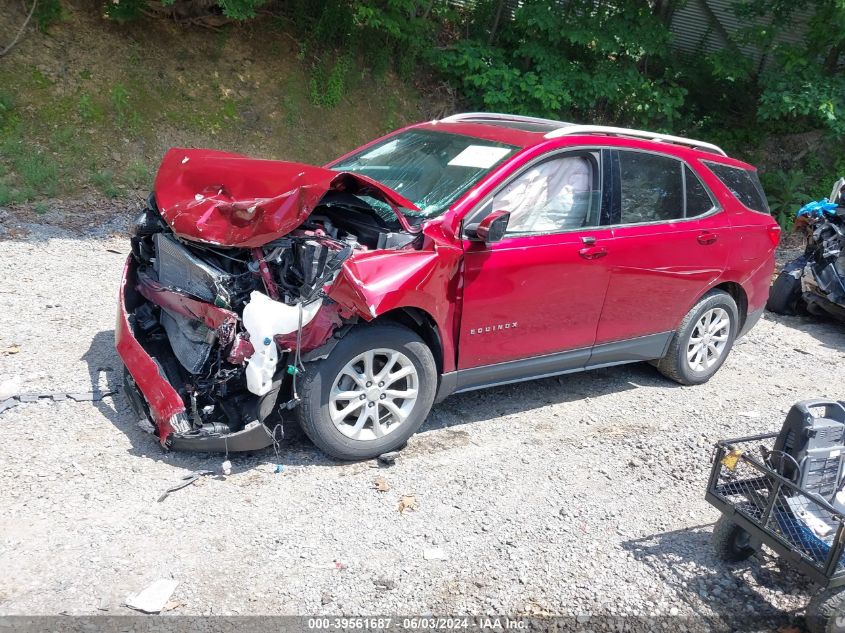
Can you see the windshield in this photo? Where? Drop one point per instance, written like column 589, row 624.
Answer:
column 431, row 169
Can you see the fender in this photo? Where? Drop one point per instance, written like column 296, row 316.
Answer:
column 374, row 283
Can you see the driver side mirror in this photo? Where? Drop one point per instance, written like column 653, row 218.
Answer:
column 492, row 228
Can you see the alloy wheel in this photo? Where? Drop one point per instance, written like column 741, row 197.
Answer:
column 709, row 339
column 373, row 394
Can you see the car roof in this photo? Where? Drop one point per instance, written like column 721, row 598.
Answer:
column 524, row 132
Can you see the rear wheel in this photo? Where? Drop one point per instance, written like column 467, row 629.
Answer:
column 370, row 395
column 826, row 611
column 731, row 542
column 703, row 341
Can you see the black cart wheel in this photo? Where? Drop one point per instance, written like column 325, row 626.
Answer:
column 731, row 542
column 826, row 611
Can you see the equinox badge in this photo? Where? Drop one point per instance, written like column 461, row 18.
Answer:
column 494, row 328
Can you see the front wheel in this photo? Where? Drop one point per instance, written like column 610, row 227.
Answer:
column 703, row 341
column 370, row 394
column 731, row 542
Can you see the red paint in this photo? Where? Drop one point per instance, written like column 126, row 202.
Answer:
column 163, row 400
column 266, row 276
column 232, row 200
column 561, row 292
column 222, row 321
column 241, row 349
column 316, row 332
column 545, row 296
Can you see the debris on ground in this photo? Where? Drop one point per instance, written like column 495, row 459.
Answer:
column 226, row 468
column 12, row 349
column 279, row 468
column 186, row 481
column 388, row 459
column 10, row 388
column 408, row 502
column 380, row 484
column 155, row 597
column 434, row 553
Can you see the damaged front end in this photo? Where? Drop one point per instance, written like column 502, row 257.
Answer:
column 225, row 294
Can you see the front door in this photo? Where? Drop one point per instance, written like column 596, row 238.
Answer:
column 539, row 290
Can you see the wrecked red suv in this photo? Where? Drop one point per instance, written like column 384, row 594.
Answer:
column 452, row 255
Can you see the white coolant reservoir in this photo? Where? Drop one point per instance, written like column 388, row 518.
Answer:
column 264, row 318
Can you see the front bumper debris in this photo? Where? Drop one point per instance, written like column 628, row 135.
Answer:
column 154, row 401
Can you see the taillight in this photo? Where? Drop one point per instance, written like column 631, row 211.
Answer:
column 774, row 234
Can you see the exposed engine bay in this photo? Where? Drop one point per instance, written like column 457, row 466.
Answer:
column 229, row 328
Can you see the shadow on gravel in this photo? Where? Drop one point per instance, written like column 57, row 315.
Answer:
column 828, row 332
column 105, row 371
column 734, row 595
column 522, row 397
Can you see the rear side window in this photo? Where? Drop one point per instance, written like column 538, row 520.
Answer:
column 743, row 184
column 652, row 187
column 699, row 201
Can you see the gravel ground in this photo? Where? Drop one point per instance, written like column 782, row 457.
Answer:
column 575, row 495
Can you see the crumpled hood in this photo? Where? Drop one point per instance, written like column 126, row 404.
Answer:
column 233, row 200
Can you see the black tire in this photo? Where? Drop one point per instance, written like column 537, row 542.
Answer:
column 675, row 364
column 826, row 611
column 784, row 294
column 730, row 541
column 316, row 383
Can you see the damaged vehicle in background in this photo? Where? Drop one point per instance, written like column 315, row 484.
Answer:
column 473, row 251
column 814, row 282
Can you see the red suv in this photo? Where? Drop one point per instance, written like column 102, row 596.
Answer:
column 477, row 250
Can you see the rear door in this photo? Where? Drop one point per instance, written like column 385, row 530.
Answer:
column 669, row 244
column 539, row 290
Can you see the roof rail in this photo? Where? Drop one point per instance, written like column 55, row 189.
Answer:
column 621, row 131
column 495, row 116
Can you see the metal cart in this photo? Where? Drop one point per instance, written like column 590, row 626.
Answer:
column 760, row 506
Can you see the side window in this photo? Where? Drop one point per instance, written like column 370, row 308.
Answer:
column 556, row 195
column 652, row 187
column 698, row 200
column 744, row 184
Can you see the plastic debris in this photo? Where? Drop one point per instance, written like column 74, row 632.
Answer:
column 434, row 553
column 10, row 388
column 226, row 467
column 388, row 459
column 819, row 208
column 154, row 598
column 279, row 468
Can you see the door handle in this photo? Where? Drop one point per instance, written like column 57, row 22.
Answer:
column 593, row 252
column 706, row 237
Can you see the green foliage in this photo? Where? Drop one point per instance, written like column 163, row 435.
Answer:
column 89, row 111
column 128, row 10
column 104, row 181
column 786, row 192
column 47, row 12
column 126, row 116
column 138, row 174
column 124, row 10
column 326, row 88
column 577, row 60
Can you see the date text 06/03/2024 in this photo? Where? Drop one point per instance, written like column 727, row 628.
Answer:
column 417, row 623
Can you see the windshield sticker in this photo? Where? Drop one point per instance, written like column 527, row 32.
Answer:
column 382, row 149
column 480, row 156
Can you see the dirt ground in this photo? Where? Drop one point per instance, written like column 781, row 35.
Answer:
column 580, row 495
